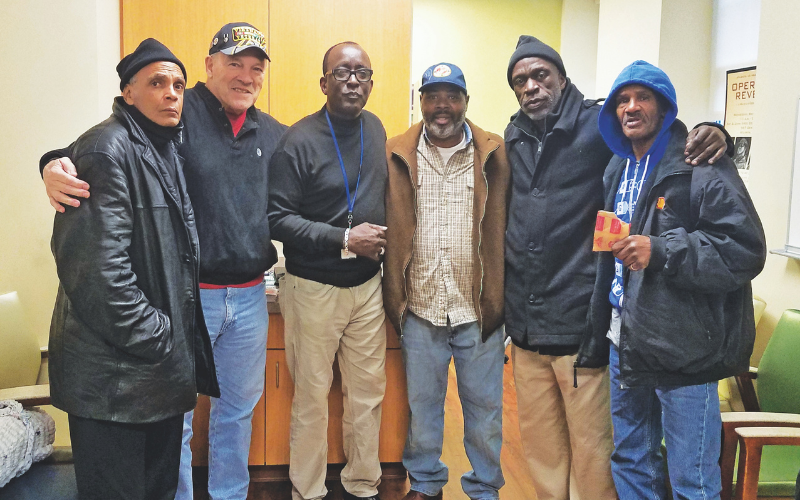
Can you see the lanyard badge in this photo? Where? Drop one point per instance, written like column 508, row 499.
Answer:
column 346, row 254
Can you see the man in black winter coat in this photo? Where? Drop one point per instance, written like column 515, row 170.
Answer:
column 129, row 348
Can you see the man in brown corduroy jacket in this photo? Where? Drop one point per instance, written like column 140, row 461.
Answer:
column 446, row 196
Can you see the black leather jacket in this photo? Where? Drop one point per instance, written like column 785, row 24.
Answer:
column 128, row 342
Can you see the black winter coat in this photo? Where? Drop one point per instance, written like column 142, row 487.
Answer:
column 128, row 342
column 688, row 317
column 557, row 189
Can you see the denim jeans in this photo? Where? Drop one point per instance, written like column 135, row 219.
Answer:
column 237, row 322
column 427, row 350
column 686, row 417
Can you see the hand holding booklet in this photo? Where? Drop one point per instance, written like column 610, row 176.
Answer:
column 608, row 230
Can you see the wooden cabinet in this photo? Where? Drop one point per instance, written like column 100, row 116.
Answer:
column 270, row 441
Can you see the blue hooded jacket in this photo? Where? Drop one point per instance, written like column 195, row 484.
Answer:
column 642, row 73
column 687, row 317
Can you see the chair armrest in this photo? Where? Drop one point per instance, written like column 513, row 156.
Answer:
column 761, row 436
column 732, row 422
column 45, row 351
column 744, row 381
column 736, row 419
column 31, row 395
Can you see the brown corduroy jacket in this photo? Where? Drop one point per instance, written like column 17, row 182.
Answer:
column 492, row 183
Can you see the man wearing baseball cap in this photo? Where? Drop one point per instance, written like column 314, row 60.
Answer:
column 129, row 349
column 446, row 197
column 227, row 144
column 558, row 157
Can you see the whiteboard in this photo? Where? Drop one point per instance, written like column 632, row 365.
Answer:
column 792, row 248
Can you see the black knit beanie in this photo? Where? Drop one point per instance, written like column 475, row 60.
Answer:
column 528, row 46
column 149, row 51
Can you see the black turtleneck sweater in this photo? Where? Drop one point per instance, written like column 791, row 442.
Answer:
column 307, row 199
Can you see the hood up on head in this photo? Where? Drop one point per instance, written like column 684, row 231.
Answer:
column 642, row 73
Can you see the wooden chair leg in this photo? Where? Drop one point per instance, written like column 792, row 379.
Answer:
column 727, row 459
column 749, row 466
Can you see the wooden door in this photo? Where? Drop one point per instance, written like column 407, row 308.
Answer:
column 187, row 28
column 302, row 30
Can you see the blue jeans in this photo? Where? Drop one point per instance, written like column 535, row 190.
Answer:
column 237, row 321
column 427, row 350
column 686, row 417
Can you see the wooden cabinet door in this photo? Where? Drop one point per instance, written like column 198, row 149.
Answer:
column 278, row 391
column 279, row 394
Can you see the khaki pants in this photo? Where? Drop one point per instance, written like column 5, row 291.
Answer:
column 322, row 321
column 566, row 432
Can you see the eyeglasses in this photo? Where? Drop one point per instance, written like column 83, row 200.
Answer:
column 363, row 75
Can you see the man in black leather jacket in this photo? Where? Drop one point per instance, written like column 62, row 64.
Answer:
column 129, row 349
column 226, row 143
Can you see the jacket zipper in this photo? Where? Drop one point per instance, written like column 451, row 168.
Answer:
column 626, row 274
column 480, row 234
column 413, row 237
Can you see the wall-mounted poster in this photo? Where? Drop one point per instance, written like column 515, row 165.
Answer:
column 739, row 106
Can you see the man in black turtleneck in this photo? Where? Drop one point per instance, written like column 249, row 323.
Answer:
column 326, row 204
column 129, row 349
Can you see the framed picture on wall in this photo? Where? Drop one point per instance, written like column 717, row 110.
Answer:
column 740, row 98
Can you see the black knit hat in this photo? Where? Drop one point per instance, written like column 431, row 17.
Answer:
column 149, row 51
column 528, row 46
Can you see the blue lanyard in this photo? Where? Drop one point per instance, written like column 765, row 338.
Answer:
column 350, row 202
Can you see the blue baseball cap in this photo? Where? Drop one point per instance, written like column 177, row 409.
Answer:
column 444, row 73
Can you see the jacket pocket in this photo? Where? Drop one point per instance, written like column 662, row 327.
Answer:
column 667, row 330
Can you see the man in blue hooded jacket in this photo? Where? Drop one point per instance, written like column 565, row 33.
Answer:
column 674, row 297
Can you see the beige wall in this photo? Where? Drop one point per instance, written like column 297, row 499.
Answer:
column 58, row 81
column 628, row 30
column 673, row 35
column 479, row 37
column 684, row 54
column 579, row 24
column 772, row 154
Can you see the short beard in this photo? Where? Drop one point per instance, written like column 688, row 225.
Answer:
column 442, row 132
column 551, row 105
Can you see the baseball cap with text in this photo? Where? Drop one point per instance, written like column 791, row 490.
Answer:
column 237, row 37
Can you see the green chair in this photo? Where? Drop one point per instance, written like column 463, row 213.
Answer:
column 769, row 428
